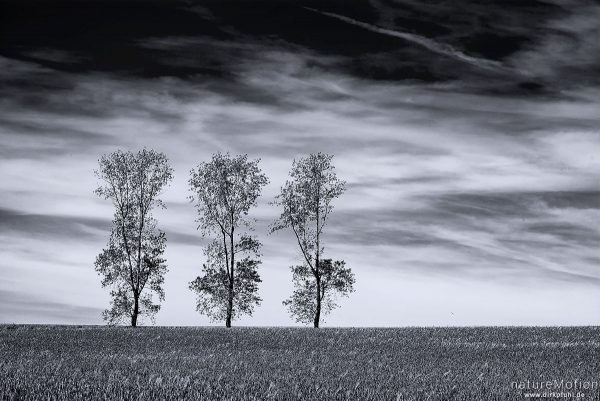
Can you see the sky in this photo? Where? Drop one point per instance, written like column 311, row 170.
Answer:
column 469, row 141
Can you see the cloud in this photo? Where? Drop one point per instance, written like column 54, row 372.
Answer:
column 436, row 47
column 514, row 234
column 566, row 233
column 14, row 222
column 513, row 204
column 381, row 136
column 18, row 307
column 29, row 136
column 566, row 46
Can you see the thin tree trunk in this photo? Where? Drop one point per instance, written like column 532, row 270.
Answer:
column 318, row 278
column 136, row 311
column 318, row 311
column 229, row 306
column 318, row 274
column 230, row 292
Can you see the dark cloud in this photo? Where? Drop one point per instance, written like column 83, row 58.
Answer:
column 567, row 232
column 487, row 32
column 497, row 115
column 66, row 227
column 399, row 181
column 429, row 44
column 505, row 205
column 566, row 46
column 29, row 87
column 265, row 135
column 215, row 46
column 514, row 233
column 36, row 138
column 514, row 204
column 175, row 237
column 572, row 199
column 51, row 226
column 375, row 234
column 67, row 26
column 463, row 211
column 18, row 307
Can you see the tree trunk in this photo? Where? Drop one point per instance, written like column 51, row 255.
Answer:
column 229, row 305
column 230, row 292
column 318, row 311
column 318, row 273
column 136, row 311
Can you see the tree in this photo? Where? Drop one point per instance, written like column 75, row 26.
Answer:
column 132, row 264
column 224, row 190
column 335, row 279
column 306, row 200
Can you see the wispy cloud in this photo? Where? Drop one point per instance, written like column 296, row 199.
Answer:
column 13, row 222
column 566, row 52
column 436, row 47
column 18, row 307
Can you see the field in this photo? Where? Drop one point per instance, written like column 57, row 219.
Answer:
column 155, row 363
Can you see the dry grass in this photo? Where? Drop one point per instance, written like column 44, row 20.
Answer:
column 152, row 363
